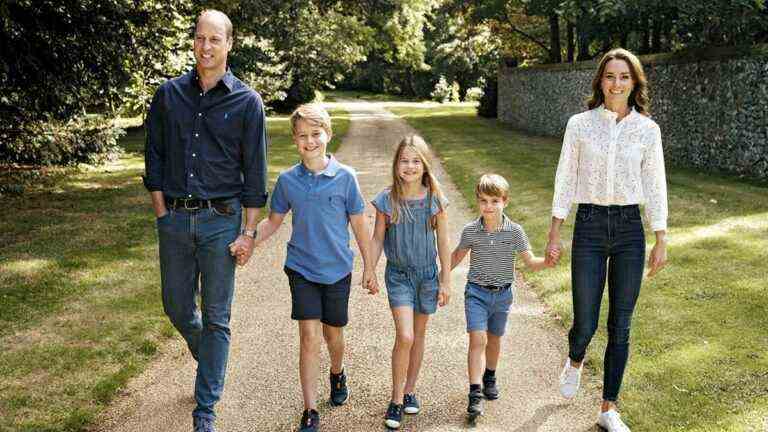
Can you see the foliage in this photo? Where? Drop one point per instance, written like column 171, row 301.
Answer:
column 163, row 49
column 88, row 139
column 64, row 65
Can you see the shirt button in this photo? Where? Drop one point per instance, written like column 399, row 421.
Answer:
column 190, row 195
column 201, row 94
column 197, row 135
column 193, row 155
column 199, row 114
column 191, row 175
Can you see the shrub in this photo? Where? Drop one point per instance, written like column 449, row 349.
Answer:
column 473, row 94
column 89, row 139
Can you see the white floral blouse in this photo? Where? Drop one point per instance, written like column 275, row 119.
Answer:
column 608, row 163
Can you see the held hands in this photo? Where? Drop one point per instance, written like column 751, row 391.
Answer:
column 444, row 294
column 242, row 249
column 370, row 282
column 552, row 253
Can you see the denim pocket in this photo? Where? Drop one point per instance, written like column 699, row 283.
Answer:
column 584, row 214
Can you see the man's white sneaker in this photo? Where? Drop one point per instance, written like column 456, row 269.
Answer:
column 570, row 378
column 611, row 421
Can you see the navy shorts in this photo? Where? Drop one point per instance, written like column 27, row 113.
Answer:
column 328, row 303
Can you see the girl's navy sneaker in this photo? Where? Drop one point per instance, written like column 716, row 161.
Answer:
column 394, row 416
column 411, row 404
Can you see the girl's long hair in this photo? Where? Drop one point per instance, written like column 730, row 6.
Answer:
column 638, row 98
column 428, row 180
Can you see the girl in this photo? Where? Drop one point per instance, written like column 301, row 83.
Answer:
column 611, row 161
column 409, row 216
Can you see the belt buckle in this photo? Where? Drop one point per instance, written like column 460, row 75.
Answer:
column 186, row 204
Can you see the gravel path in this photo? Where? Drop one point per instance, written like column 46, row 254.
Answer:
column 262, row 392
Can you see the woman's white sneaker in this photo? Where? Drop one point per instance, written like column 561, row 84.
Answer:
column 611, row 421
column 570, row 378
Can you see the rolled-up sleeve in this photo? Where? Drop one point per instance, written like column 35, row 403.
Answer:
column 154, row 147
column 654, row 179
column 254, row 153
column 566, row 178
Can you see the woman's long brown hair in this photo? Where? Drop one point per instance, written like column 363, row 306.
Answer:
column 639, row 97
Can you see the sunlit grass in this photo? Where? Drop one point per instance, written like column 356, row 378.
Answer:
column 80, row 310
column 699, row 357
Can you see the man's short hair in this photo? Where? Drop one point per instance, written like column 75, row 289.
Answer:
column 220, row 14
column 313, row 113
column 492, row 185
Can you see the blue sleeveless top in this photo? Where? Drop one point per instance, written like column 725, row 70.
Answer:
column 410, row 243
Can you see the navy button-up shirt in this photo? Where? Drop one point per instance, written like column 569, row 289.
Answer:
column 207, row 145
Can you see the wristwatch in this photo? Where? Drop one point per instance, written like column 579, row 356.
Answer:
column 249, row 233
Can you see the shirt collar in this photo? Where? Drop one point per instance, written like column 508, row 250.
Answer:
column 228, row 79
column 330, row 170
column 610, row 115
column 506, row 224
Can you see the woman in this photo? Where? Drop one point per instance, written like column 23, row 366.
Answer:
column 611, row 161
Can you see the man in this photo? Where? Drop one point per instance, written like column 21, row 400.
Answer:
column 205, row 159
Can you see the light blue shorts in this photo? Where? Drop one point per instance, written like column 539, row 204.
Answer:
column 487, row 310
column 412, row 287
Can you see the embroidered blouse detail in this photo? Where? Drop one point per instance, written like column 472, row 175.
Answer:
column 608, row 163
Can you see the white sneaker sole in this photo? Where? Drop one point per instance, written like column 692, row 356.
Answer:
column 411, row 410
column 392, row 424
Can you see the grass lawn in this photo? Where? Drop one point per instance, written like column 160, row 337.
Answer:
column 699, row 358
column 79, row 286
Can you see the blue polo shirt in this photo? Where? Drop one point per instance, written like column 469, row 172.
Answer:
column 321, row 204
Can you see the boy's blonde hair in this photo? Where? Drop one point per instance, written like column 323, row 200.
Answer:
column 428, row 179
column 314, row 114
column 492, row 185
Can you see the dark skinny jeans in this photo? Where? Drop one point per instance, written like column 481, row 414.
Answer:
column 608, row 243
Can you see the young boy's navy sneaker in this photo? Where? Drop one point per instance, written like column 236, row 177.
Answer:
column 202, row 424
column 411, row 404
column 394, row 416
column 475, row 407
column 310, row 421
column 490, row 390
column 339, row 389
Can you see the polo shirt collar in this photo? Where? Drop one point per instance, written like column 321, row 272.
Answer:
column 506, row 224
column 330, row 170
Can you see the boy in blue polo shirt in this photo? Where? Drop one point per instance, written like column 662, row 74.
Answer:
column 324, row 196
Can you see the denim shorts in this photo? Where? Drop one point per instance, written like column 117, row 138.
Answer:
column 413, row 287
column 487, row 310
column 311, row 300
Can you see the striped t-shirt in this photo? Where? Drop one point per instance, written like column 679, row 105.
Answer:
column 492, row 259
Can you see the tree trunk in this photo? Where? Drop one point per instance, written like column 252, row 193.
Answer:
column 656, row 36
column 554, row 39
column 583, row 36
column 571, row 44
column 645, row 44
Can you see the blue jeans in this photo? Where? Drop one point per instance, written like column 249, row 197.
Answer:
column 194, row 257
column 608, row 242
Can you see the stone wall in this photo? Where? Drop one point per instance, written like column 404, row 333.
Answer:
column 711, row 105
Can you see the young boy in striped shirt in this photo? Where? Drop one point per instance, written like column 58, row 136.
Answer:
column 494, row 241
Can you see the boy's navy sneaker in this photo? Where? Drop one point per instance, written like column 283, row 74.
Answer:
column 490, row 390
column 202, row 424
column 339, row 389
column 411, row 404
column 394, row 416
column 475, row 407
column 310, row 421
